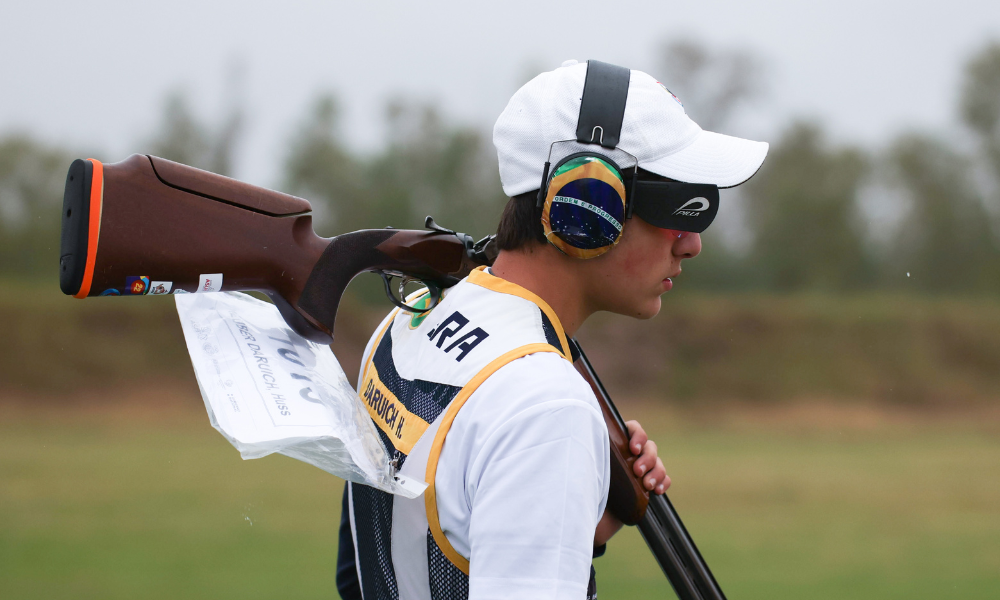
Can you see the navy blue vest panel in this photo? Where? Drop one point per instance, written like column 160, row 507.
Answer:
column 447, row 581
column 347, row 571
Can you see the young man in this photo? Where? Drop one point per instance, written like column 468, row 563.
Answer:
column 497, row 421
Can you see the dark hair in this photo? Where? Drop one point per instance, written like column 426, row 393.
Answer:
column 521, row 223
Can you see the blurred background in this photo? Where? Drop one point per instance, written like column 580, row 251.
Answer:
column 823, row 381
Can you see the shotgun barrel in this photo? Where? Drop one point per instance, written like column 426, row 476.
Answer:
column 659, row 524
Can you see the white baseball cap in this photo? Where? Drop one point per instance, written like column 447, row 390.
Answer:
column 655, row 130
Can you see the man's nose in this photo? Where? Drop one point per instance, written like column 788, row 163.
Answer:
column 689, row 246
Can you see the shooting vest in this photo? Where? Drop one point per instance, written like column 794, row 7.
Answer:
column 418, row 372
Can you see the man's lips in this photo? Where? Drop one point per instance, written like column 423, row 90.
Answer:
column 668, row 283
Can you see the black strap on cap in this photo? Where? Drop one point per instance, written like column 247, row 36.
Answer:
column 602, row 109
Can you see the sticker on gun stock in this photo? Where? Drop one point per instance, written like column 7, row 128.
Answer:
column 111, row 292
column 136, row 286
column 210, row 283
column 159, row 288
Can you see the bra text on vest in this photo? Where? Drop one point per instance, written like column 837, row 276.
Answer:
column 451, row 326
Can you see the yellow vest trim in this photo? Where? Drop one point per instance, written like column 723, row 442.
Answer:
column 378, row 340
column 389, row 414
column 491, row 282
column 430, row 497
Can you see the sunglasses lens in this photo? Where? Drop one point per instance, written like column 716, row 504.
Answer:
column 677, row 233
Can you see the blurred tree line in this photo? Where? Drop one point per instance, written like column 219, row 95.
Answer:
column 812, row 211
column 428, row 167
column 811, row 215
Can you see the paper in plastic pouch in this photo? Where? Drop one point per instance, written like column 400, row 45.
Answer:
column 268, row 390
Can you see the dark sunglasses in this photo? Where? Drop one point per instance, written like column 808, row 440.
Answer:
column 673, row 205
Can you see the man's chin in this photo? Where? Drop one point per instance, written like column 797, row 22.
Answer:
column 647, row 310
column 637, row 308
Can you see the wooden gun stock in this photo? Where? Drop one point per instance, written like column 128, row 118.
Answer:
column 146, row 220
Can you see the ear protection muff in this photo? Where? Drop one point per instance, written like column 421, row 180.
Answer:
column 583, row 199
column 584, row 208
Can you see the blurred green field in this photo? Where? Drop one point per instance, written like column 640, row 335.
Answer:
column 127, row 500
column 755, row 348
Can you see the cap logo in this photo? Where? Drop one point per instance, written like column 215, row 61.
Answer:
column 672, row 95
column 688, row 210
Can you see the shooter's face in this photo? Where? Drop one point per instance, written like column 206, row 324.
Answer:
column 630, row 279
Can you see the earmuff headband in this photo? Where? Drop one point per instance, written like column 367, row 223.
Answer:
column 602, row 108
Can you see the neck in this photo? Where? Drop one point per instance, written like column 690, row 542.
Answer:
column 546, row 272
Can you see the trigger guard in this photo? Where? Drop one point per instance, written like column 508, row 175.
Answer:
column 434, row 289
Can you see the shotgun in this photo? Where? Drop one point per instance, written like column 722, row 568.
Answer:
column 660, row 525
column 149, row 226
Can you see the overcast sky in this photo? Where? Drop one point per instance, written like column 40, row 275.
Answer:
column 93, row 75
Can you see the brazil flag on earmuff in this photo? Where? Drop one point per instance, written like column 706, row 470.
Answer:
column 584, row 208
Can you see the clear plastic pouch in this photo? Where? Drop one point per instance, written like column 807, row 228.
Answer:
column 268, row 390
